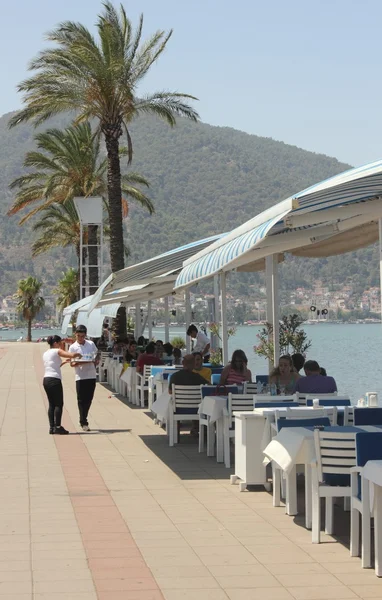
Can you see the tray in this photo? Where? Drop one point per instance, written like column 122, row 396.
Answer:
column 81, row 361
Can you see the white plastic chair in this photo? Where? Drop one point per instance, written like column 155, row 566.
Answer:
column 335, row 456
column 250, row 388
column 349, row 416
column 269, row 399
column 184, row 406
column 101, row 369
column 236, row 402
column 142, row 384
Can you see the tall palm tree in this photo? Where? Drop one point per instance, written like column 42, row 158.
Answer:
column 66, row 164
column 29, row 302
column 99, row 78
column 67, row 289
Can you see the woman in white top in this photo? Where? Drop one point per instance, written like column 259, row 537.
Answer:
column 52, row 382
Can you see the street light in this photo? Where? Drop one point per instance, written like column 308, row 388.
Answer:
column 90, row 213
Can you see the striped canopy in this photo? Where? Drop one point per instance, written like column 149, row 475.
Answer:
column 335, row 216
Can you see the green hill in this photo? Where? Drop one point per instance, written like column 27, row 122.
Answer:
column 204, row 180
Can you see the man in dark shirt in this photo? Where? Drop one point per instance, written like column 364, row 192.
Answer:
column 186, row 376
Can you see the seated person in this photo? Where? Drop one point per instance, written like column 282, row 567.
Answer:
column 236, row 372
column 314, row 382
column 167, row 349
column 186, row 376
column 205, row 372
column 284, row 376
column 148, row 358
column 159, row 348
column 120, row 346
column 177, row 354
column 298, row 361
column 131, row 351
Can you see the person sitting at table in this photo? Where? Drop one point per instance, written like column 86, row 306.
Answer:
column 159, row 348
column 314, row 382
column 177, row 354
column 120, row 346
column 298, row 361
column 284, row 376
column 167, row 349
column 236, row 372
column 131, row 351
column 148, row 358
column 187, row 375
column 203, row 371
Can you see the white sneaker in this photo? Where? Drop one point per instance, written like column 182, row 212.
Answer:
column 85, row 427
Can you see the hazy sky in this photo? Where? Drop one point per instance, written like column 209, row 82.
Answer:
column 306, row 72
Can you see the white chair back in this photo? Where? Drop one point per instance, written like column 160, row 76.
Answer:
column 240, row 402
column 270, row 399
column 186, row 396
column 349, row 416
column 335, row 397
column 307, row 413
column 335, row 452
column 147, row 372
column 250, row 388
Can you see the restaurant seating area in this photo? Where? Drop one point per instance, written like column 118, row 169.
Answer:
column 282, row 442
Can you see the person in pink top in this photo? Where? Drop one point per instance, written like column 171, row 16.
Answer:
column 236, row 372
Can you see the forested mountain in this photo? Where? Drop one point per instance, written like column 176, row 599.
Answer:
column 204, row 180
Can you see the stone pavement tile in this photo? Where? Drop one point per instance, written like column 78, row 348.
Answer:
column 58, row 553
column 368, row 591
column 129, row 584
column 14, row 555
column 64, row 586
column 336, row 592
column 359, row 577
column 15, row 587
column 123, row 573
column 131, row 595
column 192, row 594
column 308, row 580
column 111, row 552
column 296, row 569
column 179, row 583
column 230, row 555
column 169, row 571
column 255, row 570
column 64, row 596
column 56, row 564
column 56, row 538
column 62, row 575
column 16, row 596
column 271, row 593
column 106, row 536
column 21, row 576
column 342, row 567
column 247, row 581
column 15, row 565
column 115, row 563
column 285, row 556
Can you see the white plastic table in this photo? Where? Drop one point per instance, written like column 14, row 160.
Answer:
column 372, row 471
column 129, row 377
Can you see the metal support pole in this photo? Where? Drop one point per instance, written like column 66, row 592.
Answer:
column 273, row 316
column 149, row 321
column 188, row 318
column 81, row 260
column 224, row 328
column 380, row 260
column 166, row 321
column 137, row 330
column 216, row 339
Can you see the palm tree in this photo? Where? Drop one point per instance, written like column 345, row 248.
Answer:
column 99, row 79
column 66, row 164
column 67, row 289
column 29, row 302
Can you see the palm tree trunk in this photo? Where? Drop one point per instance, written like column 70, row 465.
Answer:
column 93, row 258
column 115, row 201
column 112, row 135
column 29, row 334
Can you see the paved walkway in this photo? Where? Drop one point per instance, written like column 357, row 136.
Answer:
column 116, row 514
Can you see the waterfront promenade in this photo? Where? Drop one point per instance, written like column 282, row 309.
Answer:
column 116, row 514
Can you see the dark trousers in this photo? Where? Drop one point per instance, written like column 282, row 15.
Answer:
column 85, row 392
column 55, row 393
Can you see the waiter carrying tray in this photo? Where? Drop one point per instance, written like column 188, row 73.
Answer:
column 85, row 371
column 201, row 343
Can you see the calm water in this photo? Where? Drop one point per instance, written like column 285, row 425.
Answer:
column 352, row 354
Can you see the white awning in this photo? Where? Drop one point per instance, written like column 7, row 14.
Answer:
column 337, row 215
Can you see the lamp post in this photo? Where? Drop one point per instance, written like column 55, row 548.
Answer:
column 90, row 213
